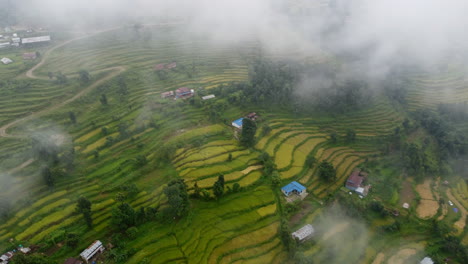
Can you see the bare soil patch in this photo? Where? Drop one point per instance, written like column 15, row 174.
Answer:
column 407, row 194
column 379, row 258
column 428, row 206
column 251, row 168
column 305, row 210
column 338, row 228
column 401, row 256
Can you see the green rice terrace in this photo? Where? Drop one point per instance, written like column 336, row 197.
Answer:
column 90, row 122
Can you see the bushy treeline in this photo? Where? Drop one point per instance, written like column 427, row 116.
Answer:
column 298, row 87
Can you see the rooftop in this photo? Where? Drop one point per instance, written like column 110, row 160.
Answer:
column 304, row 232
column 35, row 39
column 238, row 123
column 355, row 180
column 293, row 186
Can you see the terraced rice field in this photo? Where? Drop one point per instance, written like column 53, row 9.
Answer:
column 431, row 88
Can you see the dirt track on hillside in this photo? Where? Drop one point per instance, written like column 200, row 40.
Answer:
column 460, row 224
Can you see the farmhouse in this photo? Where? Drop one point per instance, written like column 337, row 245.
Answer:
column 237, row 123
column 169, row 94
column 35, row 40
column 304, row 233
column 92, row 250
column 171, row 65
column 208, row 97
column 252, row 116
column 4, row 44
column 355, row 180
column 184, row 92
column 293, row 188
column 427, row 260
column 29, row 56
column 6, row 60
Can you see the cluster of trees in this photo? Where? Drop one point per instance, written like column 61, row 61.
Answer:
column 219, row 189
column 249, row 128
column 444, row 244
column 178, row 198
column 326, row 171
column 83, row 206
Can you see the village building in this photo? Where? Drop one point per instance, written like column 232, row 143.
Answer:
column 24, row 250
column 169, row 94
column 355, row 180
column 4, row 45
column 184, row 92
column 237, row 123
column 406, row 205
column 427, row 260
column 293, row 188
column 171, row 65
column 92, row 250
column 304, row 233
column 252, row 116
column 29, row 56
column 16, row 40
column 33, row 40
column 6, row 60
column 210, row 96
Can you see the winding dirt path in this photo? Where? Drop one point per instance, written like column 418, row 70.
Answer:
column 30, row 74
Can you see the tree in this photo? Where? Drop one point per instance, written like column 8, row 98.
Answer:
column 218, row 189
column 83, row 206
column 61, row 79
column 50, row 74
column 123, row 217
column 221, row 180
column 196, row 190
column 326, row 171
column 47, row 176
column 275, row 178
column 38, row 54
column 334, row 137
column 72, row 239
column 84, row 76
column 229, row 157
column 72, row 117
column 248, row 132
column 310, row 161
column 178, row 199
column 350, row 135
column 103, row 99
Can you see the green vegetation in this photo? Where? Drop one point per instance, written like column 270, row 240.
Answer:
column 167, row 180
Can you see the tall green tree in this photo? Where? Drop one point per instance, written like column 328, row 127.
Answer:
column 178, row 198
column 47, row 176
column 72, row 117
column 326, row 171
column 350, row 135
column 83, row 206
column 123, row 217
column 103, row 99
column 248, row 132
column 84, row 76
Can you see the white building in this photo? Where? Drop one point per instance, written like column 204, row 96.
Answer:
column 35, row 39
column 92, row 250
column 6, row 60
column 304, row 233
column 208, row 97
column 427, row 260
column 4, row 44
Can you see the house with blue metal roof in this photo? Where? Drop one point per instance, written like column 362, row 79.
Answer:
column 237, row 123
column 293, row 188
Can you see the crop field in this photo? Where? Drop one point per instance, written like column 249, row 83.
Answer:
column 136, row 138
column 431, row 88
